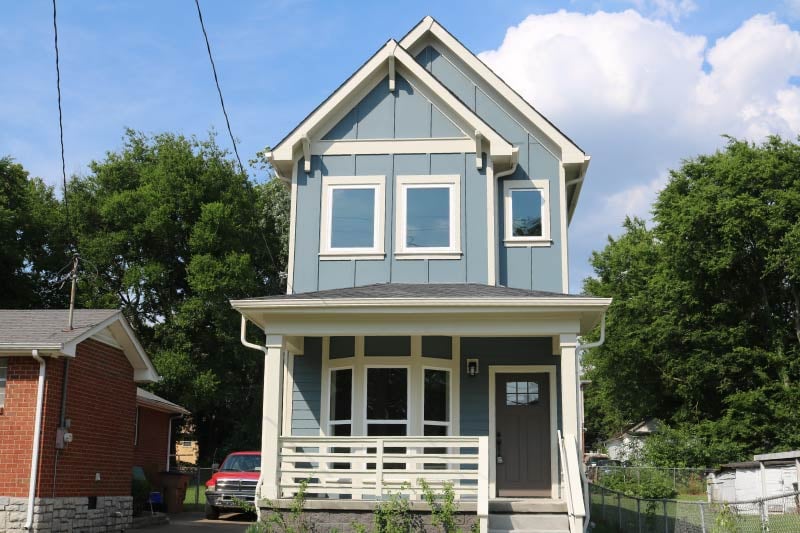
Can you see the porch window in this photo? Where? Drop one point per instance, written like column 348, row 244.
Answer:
column 341, row 402
column 352, row 217
column 428, row 217
column 527, row 212
column 387, row 401
column 436, row 402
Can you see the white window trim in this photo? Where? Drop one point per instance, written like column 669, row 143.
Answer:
column 331, row 183
column 416, row 362
column 404, row 182
column 511, row 240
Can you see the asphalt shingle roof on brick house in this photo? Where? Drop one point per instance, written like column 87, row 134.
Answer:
column 48, row 326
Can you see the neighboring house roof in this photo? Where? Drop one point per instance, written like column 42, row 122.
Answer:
column 391, row 55
column 646, row 427
column 571, row 154
column 157, row 403
column 45, row 330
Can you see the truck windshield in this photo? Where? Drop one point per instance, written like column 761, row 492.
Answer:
column 242, row 463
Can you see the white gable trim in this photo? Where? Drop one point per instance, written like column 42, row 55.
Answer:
column 414, row 42
column 375, row 69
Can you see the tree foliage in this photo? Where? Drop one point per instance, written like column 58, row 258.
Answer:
column 704, row 331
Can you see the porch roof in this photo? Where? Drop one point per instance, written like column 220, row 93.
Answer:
column 489, row 309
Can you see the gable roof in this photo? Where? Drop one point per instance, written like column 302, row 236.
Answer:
column 390, row 55
column 571, row 154
column 45, row 330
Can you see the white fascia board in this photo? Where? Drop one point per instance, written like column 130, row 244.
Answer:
column 571, row 153
column 285, row 154
column 25, row 349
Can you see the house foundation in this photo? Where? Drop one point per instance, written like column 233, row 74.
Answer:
column 52, row 515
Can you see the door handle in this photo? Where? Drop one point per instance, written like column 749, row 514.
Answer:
column 499, row 447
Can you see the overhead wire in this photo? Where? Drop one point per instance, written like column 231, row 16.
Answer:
column 216, row 81
column 60, row 116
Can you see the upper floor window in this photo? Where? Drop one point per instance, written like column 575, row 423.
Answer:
column 428, row 218
column 352, row 217
column 527, row 212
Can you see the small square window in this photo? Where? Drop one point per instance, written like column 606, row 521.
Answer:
column 428, row 221
column 527, row 213
column 352, row 217
column 521, row 393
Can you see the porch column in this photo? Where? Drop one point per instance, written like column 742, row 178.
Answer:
column 271, row 422
column 569, row 385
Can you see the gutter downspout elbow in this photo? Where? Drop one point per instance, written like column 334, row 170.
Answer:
column 514, row 164
column 37, row 439
column 263, row 349
column 602, row 340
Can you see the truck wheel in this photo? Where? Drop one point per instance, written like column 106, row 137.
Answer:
column 212, row 513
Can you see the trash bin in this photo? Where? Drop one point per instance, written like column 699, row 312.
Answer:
column 174, row 486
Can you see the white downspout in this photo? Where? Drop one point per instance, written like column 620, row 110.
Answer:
column 37, row 438
column 582, row 348
column 495, row 251
column 243, row 339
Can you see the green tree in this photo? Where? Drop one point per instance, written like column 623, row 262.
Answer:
column 707, row 307
column 32, row 240
column 170, row 231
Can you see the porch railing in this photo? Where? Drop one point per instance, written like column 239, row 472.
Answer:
column 368, row 468
column 573, row 492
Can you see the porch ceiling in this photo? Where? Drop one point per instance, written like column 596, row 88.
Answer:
column 433, row 309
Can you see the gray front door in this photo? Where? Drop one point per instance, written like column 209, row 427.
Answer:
column 522, row 410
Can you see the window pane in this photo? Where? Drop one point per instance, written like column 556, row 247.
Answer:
column 353, row 218
column 437, row 395
column 387, row 393
column 341, row 430
column 386, row 430
column 522, row 393
column 526, row 212
column 428, row 217
column 341, row 347
column 438, row 347
column 435, row 431
column 341, row 395
column 387, row 346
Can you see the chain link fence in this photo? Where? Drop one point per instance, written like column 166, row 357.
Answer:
column 684, row 480
column 196, row 491
column 613, row 511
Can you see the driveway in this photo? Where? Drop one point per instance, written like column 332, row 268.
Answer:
column 196, row 523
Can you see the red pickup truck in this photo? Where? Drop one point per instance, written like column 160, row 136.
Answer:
column 233, row 483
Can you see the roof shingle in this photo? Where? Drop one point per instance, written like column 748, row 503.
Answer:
column 47, row 326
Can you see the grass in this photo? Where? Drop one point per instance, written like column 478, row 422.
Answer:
column 192, row 492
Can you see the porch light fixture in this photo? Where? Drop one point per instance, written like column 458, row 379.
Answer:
column 472, row 367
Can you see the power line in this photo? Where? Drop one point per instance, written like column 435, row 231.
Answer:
column 216, row 80
column 60, row 118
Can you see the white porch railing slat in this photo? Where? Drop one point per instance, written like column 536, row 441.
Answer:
column 366, row 468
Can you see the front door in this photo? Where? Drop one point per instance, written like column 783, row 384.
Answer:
column 522, row 404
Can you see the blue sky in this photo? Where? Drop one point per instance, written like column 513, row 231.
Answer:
column 639, row 84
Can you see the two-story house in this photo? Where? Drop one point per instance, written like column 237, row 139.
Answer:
column 427, row 331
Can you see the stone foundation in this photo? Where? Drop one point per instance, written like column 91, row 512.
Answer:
column 68, row 515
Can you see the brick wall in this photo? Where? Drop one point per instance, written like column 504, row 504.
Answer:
column 101, row 404
column 151, row 449
column 16, row 426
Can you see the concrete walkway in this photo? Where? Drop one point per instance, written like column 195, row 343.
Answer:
column 196, row 523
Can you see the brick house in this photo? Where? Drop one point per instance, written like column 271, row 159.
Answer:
column 155, row 434
column 68, row 403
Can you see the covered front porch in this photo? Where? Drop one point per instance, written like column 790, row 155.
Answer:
column 367, row 396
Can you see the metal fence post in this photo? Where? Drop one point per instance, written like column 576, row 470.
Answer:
column 666, row 521
column 197, row 486
column 619, row 510
column 702, row 518
column 639, row 515
column 602, row 502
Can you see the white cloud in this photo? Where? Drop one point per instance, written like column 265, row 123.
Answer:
column 639, row 96
column 671, row 9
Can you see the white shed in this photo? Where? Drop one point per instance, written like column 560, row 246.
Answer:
column 768, row 475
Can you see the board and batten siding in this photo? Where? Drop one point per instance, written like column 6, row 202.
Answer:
column 306, row 392
column 474, row 390
column 311, row 273
column 537, row 268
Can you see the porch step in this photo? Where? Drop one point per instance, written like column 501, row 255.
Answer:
column 529, row 522
column 527, row 505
